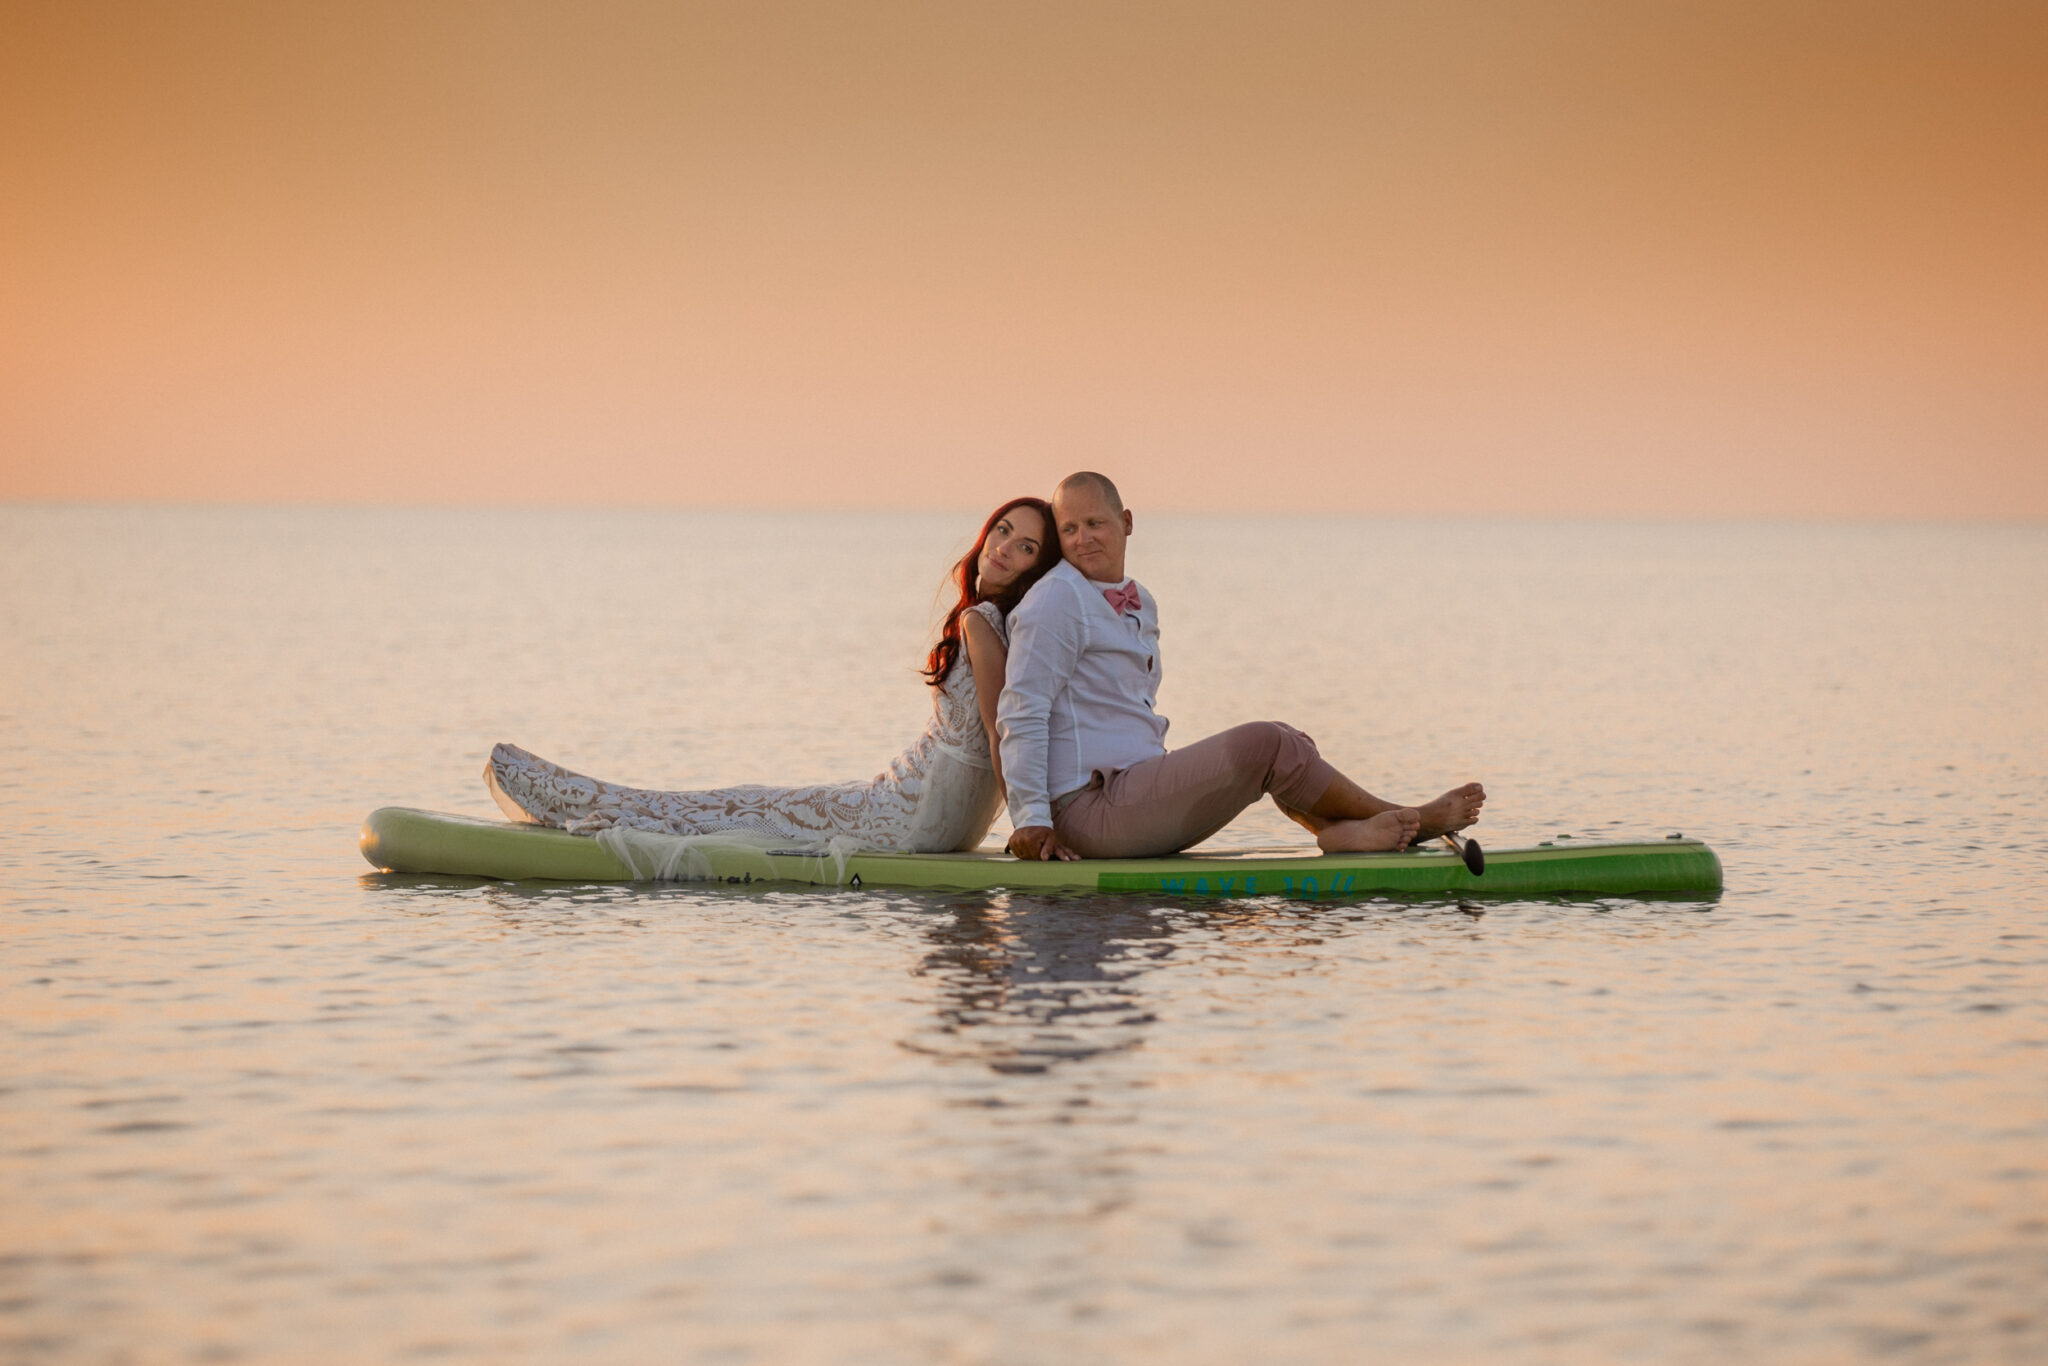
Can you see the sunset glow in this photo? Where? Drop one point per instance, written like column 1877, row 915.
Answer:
column 1593, row 259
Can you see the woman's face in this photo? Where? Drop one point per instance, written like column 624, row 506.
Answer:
column 1011, row 548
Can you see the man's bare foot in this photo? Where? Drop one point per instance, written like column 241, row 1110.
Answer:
column 1454, row 810
column 1387, row 831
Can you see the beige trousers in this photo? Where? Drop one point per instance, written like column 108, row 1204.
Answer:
column 1163, row 805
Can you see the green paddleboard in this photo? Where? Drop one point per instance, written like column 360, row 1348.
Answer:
column 401, row 840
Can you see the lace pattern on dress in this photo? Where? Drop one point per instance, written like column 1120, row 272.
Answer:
column 938, row 794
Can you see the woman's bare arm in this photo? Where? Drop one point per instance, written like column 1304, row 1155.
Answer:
column 987, row 656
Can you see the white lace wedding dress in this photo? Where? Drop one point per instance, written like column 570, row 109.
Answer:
column 940, row 794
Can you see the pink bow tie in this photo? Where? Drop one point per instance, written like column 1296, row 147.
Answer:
column 1124, row 599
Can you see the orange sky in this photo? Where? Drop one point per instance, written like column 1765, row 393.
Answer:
column 1613, row 257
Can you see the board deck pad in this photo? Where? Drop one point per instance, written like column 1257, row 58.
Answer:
column 400, row 839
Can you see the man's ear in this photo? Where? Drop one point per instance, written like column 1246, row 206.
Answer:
column 1127, row 521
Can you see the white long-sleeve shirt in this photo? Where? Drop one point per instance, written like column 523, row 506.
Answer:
column 1079, row 691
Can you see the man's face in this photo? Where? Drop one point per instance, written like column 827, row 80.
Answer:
column 1092, row 533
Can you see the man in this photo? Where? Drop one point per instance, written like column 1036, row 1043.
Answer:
column 1083, row 746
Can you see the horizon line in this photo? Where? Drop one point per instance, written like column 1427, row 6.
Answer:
column 1985, row 522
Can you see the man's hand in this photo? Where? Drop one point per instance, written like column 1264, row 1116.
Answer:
column 1039, row 842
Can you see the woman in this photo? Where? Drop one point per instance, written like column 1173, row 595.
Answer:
column 940, row 794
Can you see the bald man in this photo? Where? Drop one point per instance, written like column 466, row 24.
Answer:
column 1084, row 747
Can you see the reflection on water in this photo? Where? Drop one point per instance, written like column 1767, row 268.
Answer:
column 262, row 1105
column 1028, row 983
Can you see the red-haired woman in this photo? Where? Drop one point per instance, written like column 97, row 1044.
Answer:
column 940, row 794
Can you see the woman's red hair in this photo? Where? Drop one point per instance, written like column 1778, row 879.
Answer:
column 966, row 576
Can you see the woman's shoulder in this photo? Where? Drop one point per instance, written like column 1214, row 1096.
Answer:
column 993, row 615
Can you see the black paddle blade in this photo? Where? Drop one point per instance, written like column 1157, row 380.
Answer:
column 1475, row 857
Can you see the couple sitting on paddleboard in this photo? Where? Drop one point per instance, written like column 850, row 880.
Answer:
column 1044, row 682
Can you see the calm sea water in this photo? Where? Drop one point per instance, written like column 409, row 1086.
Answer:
column 260, row 1103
